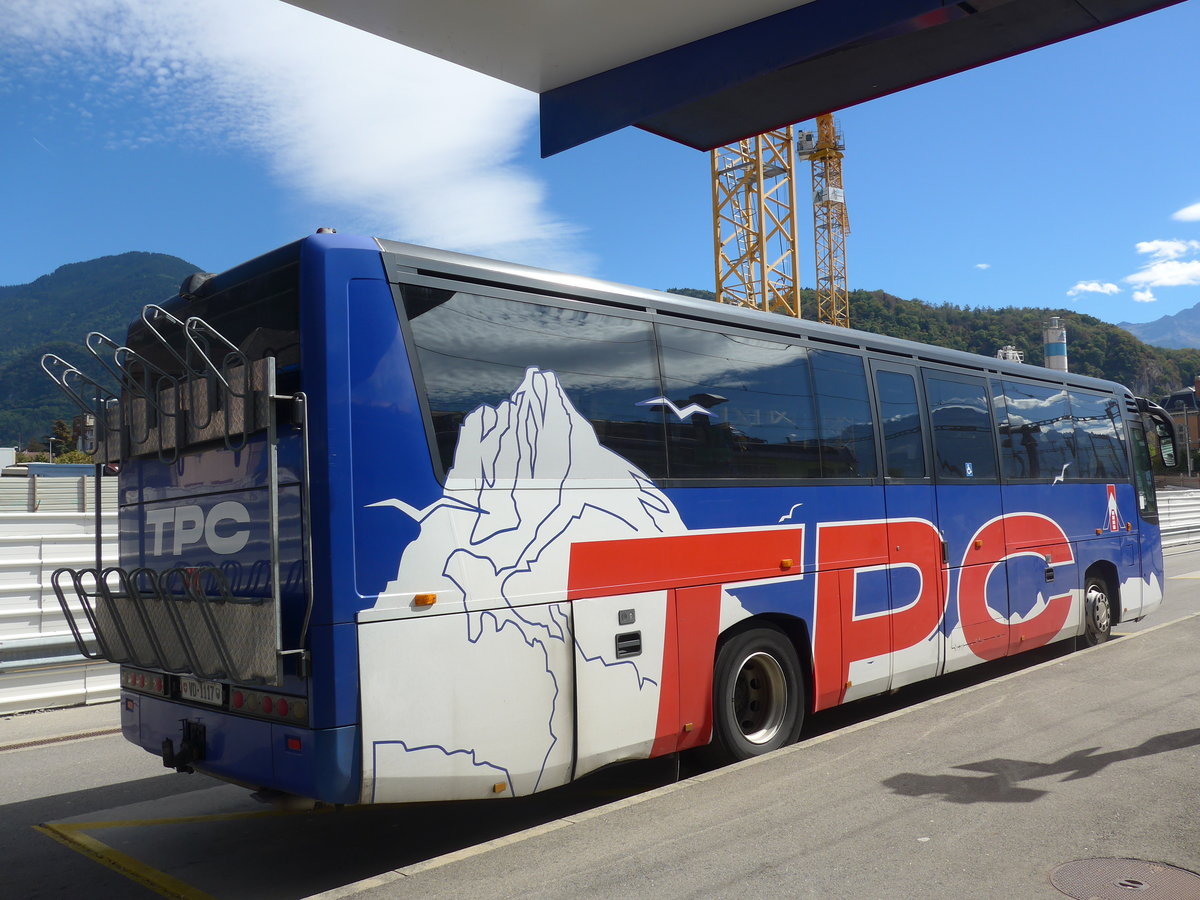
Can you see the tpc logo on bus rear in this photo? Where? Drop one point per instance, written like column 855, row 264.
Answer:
column 223, row 529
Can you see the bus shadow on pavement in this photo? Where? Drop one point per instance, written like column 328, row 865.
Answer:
column 1002, row 778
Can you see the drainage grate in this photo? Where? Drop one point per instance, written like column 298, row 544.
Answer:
column 1125, row 879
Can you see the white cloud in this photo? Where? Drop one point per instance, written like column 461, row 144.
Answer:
column 1166, row 249
column 1167, row 273
column 1172, row 263
column 408, row 146
column 983, row 265
column 1093, row 287
column 1187, row 214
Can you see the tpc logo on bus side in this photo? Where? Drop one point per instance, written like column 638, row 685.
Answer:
column 223, row 529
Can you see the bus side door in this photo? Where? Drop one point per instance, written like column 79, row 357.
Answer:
column 914, row 546
column 966, row 471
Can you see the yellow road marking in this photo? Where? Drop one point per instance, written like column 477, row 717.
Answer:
column 75, row 836
column 135, row 870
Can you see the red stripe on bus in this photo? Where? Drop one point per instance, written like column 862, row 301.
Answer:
column 612, row 568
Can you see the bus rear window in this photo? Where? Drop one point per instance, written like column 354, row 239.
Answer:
column 260, row 315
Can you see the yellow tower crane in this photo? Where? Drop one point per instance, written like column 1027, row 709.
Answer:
column 754, row 221
column 831, row 223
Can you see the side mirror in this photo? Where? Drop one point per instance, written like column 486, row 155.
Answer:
column 1164, row 430
column 1166, row 443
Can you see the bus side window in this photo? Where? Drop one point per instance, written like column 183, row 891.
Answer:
column 475, row 350
column 847, row 428
column 961, row 418
column 1143, row 473
column 903, row 440
column 742, row 406
column 1038, row 439
column 1099, row 437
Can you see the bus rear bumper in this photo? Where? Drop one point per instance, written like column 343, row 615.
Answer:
column 323, row 764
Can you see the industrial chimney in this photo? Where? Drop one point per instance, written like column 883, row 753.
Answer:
column 1054, row 337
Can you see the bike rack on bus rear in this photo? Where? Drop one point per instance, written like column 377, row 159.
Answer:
column 194, row 620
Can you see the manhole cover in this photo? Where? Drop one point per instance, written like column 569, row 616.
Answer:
column 1125, row 879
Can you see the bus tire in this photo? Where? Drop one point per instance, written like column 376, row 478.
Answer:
column 1097, row 612
column 758, row 695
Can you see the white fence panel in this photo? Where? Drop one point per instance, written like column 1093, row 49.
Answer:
column 1180, row 511
column 46, row 524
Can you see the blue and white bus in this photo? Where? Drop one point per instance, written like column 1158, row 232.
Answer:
column 399, row 524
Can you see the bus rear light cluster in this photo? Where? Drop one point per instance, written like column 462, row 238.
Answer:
column 146, row 682
column 269, row 706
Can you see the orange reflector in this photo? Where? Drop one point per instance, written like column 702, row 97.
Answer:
column 785, row 564
column 1099, row 531
column 979, row 545
column 499, row 787
column 689, row 726
column 293, row 743
column 424, row 599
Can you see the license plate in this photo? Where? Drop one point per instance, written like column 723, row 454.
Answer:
column 210, row 692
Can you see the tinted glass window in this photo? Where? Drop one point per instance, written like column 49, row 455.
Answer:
column 475, row 351
column 737, row 406
column 1099, row 437
column 961, row 417
column 846, row 430
column 1038, row 437
column 1144, row 475
column 903, row 441
column 259, row 315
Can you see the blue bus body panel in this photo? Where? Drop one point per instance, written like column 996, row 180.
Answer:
column 254, row 753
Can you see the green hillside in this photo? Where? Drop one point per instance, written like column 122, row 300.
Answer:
column 54, row 313
column 1093, row 347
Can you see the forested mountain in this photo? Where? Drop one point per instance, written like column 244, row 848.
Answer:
column 1093, row 347
column 54, row 313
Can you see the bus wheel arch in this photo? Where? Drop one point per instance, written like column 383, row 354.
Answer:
column 760, row 692
column 1101, row 605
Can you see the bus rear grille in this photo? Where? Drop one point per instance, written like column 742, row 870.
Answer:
column 180, row 620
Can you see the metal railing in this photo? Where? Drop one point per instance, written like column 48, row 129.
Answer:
column 1179, row 513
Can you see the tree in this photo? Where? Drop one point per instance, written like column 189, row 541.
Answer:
column 73, row 456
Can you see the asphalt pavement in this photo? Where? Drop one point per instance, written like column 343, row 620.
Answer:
column 1076, row 764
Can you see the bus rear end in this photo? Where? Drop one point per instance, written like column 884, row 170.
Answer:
column 211, row 610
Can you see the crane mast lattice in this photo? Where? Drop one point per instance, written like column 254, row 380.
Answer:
column 754, row 223
column 831, row 223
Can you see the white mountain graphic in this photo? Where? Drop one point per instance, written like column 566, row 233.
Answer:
column 529, row 479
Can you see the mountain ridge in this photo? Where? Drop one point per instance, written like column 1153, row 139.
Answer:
column 54, row 312
column 1178, row 331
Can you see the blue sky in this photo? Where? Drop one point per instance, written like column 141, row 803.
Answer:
column 214, row 131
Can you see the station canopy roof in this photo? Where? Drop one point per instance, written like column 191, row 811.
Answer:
column 709, row 72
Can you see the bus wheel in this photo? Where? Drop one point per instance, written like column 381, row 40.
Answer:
column 758, row 696
column 1097, row 612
